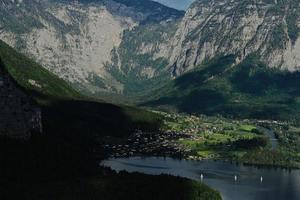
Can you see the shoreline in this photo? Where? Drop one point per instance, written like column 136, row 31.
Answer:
column 189, row 137
column 225, row 160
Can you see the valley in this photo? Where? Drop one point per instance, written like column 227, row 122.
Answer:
column 250, row 90
column 252, row 142
column 204, row 100
column 145, row 44
column 77, row 40
column 56, row 153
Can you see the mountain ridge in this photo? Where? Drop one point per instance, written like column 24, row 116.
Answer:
column 141, row 57
column 35, row 101
column 68, row 38
column 215, row 28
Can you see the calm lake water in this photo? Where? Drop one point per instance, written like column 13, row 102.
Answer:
column 276, row 184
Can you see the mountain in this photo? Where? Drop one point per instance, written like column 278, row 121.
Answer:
column 19, row 114
column 22, row 82
column 131, row 47
column 140, row 62
column 32, row 77
column 235, row 58
column 74, row 39
column 209, row 29
column 268, row 28
column 250, row 89
column 145, row 51
column 50, row 135
column 35, row 100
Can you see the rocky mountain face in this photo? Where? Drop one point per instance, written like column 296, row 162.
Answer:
column 129, row 46
column 74, row 39
column 19, row 115
column 141, row 60
column 268, row 28
column 25, row 89
column 211, row 29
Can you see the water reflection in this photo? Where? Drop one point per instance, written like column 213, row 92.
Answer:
column 276, row 184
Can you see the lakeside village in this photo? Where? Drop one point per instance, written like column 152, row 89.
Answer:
column 196, row 137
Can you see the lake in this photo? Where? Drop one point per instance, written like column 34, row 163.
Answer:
column 276, row 183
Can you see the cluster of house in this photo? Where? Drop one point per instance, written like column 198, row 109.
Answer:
column 154, row 144
column 197, row 124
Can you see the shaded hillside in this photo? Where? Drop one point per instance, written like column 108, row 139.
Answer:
column 109, row 185
column 67, row 127
column 33, row 77
column 96, row 119
column 64, row 110
column 248, row 90
column 61, row 161
column 70, row 143
column 19, row 113
column 65, row 137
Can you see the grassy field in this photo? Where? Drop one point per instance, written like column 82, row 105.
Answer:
column 287, row 152
column 220, row 138
column 240, row 140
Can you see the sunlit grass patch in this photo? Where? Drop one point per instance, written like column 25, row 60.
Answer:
column 207, row 153
column 217, row 138
column 248, row 128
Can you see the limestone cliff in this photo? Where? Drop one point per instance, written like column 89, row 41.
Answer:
column 268, row 28
column 129, row 45
column 74, row 39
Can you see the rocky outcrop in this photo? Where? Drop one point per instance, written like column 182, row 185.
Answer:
column 74, row 39
column 19, row 116
column 113, row 45
column 268, row 28
column 143, row 52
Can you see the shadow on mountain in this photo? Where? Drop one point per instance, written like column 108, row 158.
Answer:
column 69, row 145
column 199, row 76
column 62, row 162
column 248, row 90
column 202, row 101
column 96, row 119
column 253, row 77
